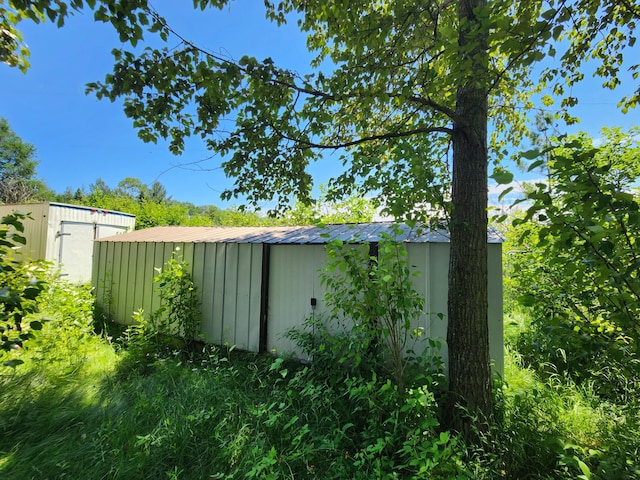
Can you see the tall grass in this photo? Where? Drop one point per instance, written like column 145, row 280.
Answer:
column 555, row 428
column 84, row 407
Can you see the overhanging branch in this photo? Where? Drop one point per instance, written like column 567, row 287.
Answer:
column 369, row 138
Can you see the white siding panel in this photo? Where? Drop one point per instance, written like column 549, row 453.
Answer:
column 418, row 260
column 294, row 280
column 103, row 230
column 208, row 291
column 496, row 322
column 75, row 250
column 219, row 286
column 230, row 295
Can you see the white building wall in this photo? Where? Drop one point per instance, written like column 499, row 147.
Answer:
column 64, row 234
column 294, row 279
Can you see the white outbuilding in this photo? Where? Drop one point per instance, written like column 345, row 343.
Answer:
column 255, row 283
column 63, row 234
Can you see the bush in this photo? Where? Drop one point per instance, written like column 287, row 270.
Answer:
column 174, row 327
column 371, row 323
column 21, row 283
column 575, row 264
column 381, row 394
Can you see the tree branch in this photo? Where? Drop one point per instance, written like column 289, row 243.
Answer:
column 370, row 138
column 426, row 102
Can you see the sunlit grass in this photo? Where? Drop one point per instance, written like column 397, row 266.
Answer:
column 81, row 407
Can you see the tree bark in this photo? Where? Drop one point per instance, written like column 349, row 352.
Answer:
column 469, row 393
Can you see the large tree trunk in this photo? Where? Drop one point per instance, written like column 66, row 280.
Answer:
column 468, row 330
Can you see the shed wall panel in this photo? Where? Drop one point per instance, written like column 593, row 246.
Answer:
column 207, row 292
column 149, row 272
column 120, row 289
column 226, row 280
column 243, row 298
column 294, row 280
column 106, row 280
column 133, row 295
column 439, row 278
column 496, row 321
column 109, row 282
column 219, row 284
column 230, row 294
column 35, row 230
column 253, row 334
column 97, row 264
column 419, row 263
column 198, row 274
column 229, row 276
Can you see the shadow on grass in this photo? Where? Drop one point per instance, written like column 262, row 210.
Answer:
column 182, row 415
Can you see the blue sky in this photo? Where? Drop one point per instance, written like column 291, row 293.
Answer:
column 80, row 139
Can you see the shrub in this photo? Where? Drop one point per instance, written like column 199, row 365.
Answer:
column 175, row 325
column 372, row 318
column 21, row 283
column 576, row 263
column 381, row 393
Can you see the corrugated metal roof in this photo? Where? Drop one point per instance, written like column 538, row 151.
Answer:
column 361, row 232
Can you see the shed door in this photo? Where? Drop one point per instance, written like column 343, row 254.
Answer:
column 75, row 255
column 294, row 279
column 76, row 250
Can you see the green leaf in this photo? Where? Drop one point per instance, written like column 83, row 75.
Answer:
column 536, row 164
column 19, row 239
column 13, row 363
column 530, row 154
column 584, row 468
column 35, row 325
column 502, row 176
column 31, row 293
column 505, row 192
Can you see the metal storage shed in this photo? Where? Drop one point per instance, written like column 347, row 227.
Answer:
column 255, row 283
column 64, row 234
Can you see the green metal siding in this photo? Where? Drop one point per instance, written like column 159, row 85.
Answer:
column 229, row 281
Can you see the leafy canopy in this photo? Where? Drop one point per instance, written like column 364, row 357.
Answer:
column 386, row 75
column 18, row 162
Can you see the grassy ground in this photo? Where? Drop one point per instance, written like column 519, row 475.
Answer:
column 83, row 408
